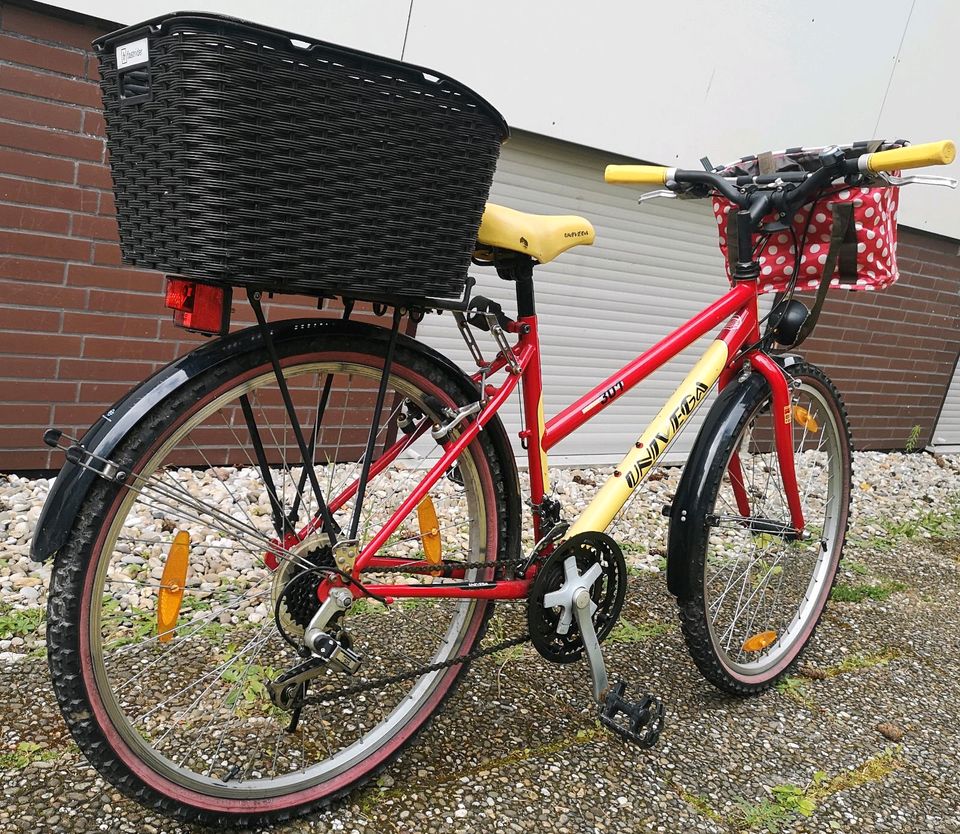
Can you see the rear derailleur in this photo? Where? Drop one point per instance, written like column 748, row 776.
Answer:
column 574, row 603
column 323, row 649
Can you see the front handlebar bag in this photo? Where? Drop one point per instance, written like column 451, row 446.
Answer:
column 866, row 259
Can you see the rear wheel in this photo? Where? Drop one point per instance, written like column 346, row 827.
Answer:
column 179, row 716
column 758, row 591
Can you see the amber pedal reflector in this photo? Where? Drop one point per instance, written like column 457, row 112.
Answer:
column 170, row 596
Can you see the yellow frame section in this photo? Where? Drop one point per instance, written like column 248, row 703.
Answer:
column 640, row 460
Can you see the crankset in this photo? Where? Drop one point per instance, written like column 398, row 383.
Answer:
column 597, row 570
column 574, row 603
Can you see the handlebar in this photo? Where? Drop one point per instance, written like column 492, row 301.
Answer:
column 911, row 156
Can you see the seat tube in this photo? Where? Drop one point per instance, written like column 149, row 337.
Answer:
column 532, row 433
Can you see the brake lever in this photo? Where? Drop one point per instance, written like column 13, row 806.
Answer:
column 917, row 179
column 653, row 195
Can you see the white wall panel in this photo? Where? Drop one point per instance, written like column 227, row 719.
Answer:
column 946, row 436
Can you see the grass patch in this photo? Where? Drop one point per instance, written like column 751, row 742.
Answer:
column 859, row 661
column 929, row 525
column 859, row 591
column 26, row 753
column 788, row 802
column 16, row 622
column 626, row 632
column 702, row 806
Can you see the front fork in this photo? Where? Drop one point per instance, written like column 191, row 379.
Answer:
column 781, row 412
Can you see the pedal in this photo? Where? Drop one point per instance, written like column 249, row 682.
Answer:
column 640, row 722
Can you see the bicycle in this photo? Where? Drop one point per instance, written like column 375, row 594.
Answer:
column 362, row 493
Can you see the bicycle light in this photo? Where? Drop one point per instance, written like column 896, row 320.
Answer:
column 199, row 307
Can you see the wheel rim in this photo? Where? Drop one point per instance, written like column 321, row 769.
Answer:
column 763, row 594
column 192, row 730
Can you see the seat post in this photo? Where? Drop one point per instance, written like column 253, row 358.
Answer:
column 519, row 269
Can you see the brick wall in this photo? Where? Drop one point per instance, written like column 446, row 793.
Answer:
column 78, row 330
column 892, row 354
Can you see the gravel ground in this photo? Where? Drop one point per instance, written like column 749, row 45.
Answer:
column 863, row 738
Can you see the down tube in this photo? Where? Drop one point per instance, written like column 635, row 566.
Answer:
column 653, row 442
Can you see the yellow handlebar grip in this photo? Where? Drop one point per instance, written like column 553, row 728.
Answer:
column 639, row 174
column 912, row 156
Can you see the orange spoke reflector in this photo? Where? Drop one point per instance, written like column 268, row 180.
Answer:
column 174, row 577
column 759, row 641
column 802, row 417
column 429, row 532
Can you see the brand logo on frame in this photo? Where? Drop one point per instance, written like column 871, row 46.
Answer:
column 663, row 437
column 132, row 54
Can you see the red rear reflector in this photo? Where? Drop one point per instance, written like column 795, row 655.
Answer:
column 198, row 306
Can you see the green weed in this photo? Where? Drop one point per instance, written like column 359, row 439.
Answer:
column 626, row 632
column 858, row 592
column 26, row 753
column 16, row 622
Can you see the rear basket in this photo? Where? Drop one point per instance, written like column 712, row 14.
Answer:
column 866, row 258
column 249, row 156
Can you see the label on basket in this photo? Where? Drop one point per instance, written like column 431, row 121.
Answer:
column 131, row 54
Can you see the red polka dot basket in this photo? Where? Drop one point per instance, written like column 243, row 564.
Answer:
column 867, row 258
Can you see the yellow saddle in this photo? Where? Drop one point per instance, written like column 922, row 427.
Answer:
column 541, row 236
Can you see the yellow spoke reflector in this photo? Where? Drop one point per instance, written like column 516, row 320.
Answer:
column 803, row 418
column 429, row 532
column 170, row 596
column 759, row 641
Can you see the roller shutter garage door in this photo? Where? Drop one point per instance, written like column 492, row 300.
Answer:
column 651, row 268
column 946, row 436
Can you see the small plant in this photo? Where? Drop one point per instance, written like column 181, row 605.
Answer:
column 786, row 802
column 26, row 753
column 794, row 688
column 16, row 622
column 912, row 440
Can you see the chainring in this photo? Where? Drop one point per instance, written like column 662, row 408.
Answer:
column 607, row 593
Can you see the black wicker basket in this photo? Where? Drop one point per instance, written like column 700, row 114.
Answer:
column 249, row 156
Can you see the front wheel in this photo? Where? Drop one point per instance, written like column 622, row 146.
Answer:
column 758, row 591
column 164, row 681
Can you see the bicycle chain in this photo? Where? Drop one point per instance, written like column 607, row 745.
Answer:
column 411, row 674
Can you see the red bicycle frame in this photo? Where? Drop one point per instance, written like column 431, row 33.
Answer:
column 726, row 356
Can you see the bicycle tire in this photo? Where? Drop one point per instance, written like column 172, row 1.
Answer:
column 747, row 656
column 81, row 583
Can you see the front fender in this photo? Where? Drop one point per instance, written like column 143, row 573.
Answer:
column 74, row 481
column 721, row 422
